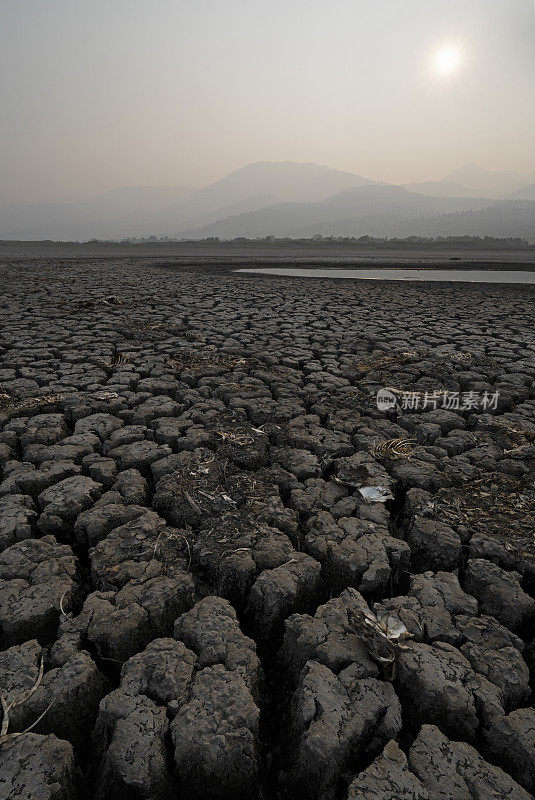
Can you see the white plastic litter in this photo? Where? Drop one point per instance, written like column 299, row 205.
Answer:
column 376, row 494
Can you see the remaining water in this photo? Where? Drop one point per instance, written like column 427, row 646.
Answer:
column 458, row 275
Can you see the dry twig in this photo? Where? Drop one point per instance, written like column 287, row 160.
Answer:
column 5, row 736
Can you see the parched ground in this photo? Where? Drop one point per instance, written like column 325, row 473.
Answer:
column 224, row 573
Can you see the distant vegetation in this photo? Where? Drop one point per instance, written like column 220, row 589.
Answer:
column 408, row 242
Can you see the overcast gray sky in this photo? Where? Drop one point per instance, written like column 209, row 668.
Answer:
column 102, row 93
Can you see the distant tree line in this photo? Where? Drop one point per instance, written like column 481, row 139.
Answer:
column 438, row 242
column 407, row 242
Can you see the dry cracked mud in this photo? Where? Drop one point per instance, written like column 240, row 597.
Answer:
column 225, row 573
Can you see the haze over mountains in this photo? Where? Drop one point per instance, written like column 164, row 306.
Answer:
column 290, row 199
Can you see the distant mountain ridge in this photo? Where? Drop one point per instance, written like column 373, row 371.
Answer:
column 479, row 180
column 525, row 193
column 281, row 181
column 440, row 189
column 280, row 198
column 377, row 211
column 87, row 217
column 245, row 189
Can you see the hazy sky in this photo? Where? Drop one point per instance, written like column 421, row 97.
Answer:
column 101, row 93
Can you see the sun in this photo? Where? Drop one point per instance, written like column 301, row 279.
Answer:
column 447, row 61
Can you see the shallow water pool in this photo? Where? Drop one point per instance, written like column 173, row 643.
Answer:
column 401, row 274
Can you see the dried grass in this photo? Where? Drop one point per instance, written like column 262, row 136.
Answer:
column 395, row 358
column 394, row 448
column 495, row 505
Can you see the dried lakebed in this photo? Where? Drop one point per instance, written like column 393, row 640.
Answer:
column 202, row 592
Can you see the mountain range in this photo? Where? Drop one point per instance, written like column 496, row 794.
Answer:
column 290, row 199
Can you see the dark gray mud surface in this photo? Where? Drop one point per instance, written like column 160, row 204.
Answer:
column 217, row 254
column 188, row 566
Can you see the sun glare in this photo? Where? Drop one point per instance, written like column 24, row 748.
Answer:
column 447, row 61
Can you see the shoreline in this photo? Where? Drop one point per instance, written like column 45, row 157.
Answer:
column 204, row 254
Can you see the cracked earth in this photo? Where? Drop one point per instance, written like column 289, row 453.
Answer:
column 187, row 560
